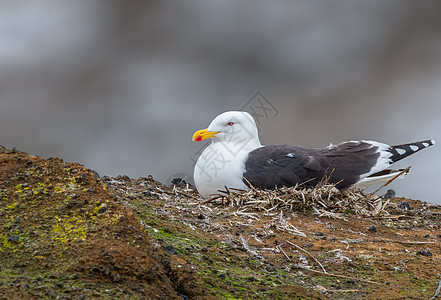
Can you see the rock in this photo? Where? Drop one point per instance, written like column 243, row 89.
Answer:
column 404, row 205
column 13, row 238
column 146, row 193
column 82, row 179
column 95, row 174
column 178, row 181
column 389, row 194
column 116, row 277
column 424, row 253
column 319, row 233
column 320, row 288
column 170, row 250
column 209, row 259
column 372, row 228
column 59, row 285
column 123, row 177
column 138, row 289
column 71, row 204
column 102, row 209
column 270, row 268
column 167, row 264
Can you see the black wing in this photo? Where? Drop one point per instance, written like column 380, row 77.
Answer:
column 275, row 166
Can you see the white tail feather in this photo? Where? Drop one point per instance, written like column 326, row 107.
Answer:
column 379, row 179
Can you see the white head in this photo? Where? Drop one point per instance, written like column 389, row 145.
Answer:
column 237, row 127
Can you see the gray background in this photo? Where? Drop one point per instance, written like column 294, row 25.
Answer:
column 120, row 86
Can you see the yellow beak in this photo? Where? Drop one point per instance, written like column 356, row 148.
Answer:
column 203, row 134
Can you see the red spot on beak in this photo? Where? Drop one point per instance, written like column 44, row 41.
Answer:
column 198, row 138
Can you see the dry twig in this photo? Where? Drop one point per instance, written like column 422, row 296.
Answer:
column 437, row 291
column 343, row 276
column 392, row 179
column 298, row 247
column 284, row 253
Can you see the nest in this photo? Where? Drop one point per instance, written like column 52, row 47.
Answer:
column 324, row 200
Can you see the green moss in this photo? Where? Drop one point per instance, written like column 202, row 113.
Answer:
column 68, row 229
column 4, row 243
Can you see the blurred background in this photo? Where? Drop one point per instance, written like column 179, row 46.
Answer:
column 120, row 86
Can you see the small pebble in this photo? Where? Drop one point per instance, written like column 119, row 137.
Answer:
column 427, row 236
column 166, row 263
column 178, row 181
column 124, row 177
column 389, row 194
column 116, row 278
column 170, row 250
column 13, row 238
column 270, row 268
column 372, row 228
column 424, row 253
column 404, row 205
column 95, row 173
column 102, row 209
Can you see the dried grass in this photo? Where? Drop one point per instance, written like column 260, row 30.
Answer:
column 323, row 200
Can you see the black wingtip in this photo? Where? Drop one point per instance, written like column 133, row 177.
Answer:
column 401, row 151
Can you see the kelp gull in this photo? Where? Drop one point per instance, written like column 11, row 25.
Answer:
column 236, row 159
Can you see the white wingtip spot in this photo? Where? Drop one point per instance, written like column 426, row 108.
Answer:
column 414, row 148
column 433, row 142
column 400, row 151
column 426, row 145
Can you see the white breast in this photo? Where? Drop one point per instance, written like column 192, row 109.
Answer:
column 219, row 166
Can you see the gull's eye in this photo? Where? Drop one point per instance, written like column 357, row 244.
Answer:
column 230, row 123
